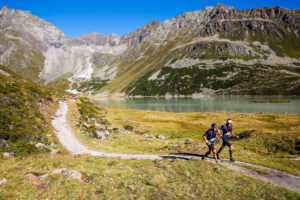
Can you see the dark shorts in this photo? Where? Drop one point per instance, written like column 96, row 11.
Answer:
column 211, row 146
column 226, row 142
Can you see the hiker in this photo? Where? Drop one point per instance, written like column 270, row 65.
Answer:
column 63, row 95
column 210, row 137
column 227, row 133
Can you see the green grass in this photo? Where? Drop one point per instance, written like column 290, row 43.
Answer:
column 265, row 139
column 107, row 178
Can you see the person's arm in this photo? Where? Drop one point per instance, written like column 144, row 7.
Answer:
column 232, row 132
column 205, row 139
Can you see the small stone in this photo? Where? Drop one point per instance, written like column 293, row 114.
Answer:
column 180, row 142
column 162, row 137
column 132, row 187
column 8, row 154
column 188, row 141
column 3, row 181
column 175, row 145
column 146, row 135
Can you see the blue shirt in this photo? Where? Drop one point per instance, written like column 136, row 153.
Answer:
column 210, row 133
column 225, row 128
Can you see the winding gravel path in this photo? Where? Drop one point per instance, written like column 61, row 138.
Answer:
column 69, row 141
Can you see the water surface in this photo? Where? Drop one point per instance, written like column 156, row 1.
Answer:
column 210, row 104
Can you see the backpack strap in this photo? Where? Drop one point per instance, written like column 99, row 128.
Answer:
column 226, row 128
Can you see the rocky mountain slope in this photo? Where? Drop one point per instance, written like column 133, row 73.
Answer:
column 218, row 50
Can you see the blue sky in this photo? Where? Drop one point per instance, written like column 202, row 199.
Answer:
column 76, row 17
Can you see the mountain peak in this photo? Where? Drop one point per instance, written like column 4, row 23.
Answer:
column 220, row 5
column 94, row 33
column 4, row 9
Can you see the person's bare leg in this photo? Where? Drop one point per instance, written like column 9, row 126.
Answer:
column 215, row 155
column 230, row 154
column 206, row 154
column 221, row 148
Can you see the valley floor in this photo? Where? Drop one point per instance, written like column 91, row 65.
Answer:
column 69, row 140
column 168, row 168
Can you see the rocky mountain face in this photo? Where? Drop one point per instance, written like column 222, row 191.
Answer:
column 218, row 50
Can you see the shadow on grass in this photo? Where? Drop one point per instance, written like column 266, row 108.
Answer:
column 184, row 156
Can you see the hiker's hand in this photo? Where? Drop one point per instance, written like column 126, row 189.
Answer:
column 208, row 143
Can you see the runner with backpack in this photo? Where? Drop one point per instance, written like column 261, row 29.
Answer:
column 227, row 133
column 211, row 137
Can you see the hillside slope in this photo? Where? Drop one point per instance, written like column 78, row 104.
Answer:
column 24, row 129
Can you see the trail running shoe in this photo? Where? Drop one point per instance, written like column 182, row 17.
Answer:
column 232, row 159
column 203, row 157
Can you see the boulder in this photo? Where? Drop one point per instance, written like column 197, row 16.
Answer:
column 162, row 137
column 3, row 144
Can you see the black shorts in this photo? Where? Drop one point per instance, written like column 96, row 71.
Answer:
column 226, row 142
column 211, row 146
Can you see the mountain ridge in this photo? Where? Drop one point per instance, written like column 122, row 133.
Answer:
column 108, row 64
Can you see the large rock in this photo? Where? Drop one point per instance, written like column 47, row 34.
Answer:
column 72, row 174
